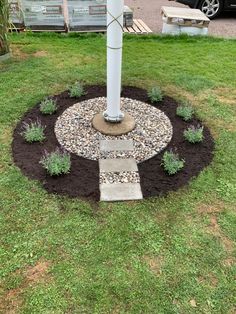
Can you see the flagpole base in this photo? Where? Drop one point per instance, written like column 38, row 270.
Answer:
column 126, row 125
column 116, row 119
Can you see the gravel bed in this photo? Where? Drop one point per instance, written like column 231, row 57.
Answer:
column 118, row 154
column 119, row 177
column 151, row 135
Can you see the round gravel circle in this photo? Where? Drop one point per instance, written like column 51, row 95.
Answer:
column 152, row 133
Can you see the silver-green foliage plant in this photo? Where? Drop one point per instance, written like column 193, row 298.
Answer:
column 57, row 162
column 155, row 94
column 4, row 25
column 48, row 106
column 76, row 90
column 33, row 132
column 172, row 163
column 194, row 134
column 185, row 112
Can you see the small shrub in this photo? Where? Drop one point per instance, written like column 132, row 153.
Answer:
column 171, row 162
column 76, row 90
column 33, row 132
column 56, row 163
column 185, row 112
column 155, row 94
column 194, row 134
column 48, row 106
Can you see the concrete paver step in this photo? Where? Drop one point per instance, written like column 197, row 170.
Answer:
column 117, row 165
column 120, row 192
column 116, row 145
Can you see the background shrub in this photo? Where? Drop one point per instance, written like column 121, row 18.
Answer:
column 172, row 163
column 56, row 163
column 194, row 134
column 155, row 94
column 48, row 106
column 33, row 132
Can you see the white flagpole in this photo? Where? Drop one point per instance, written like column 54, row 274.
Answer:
column 115, row 10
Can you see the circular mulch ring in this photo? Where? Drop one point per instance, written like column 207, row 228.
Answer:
column 83, row 180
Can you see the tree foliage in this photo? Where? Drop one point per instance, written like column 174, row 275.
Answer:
column 4, row 24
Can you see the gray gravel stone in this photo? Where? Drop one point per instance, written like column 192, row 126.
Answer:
column 151, row 135
column 119, row 177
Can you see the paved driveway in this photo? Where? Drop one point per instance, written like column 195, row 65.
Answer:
column 149, row 12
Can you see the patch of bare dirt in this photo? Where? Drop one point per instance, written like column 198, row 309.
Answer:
column 209, row 279
column 38, row 272
column 5, row 136
column 161, row 217
column 226, row 95
column 41, row 53
column 229, row 262
column 211, row 208
column 18, row 53
column 180, row 93
column 219, row 124
column 11, row 302
column 214, row 225
column 116, row 309
column 215, row 230
column 228, row 244
column 154, row 263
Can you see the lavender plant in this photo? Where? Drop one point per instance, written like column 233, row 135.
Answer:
column 76, row 90
column 48, row 106
column 155, row 94
column 57, row 162
column 172, row 163
column 194, row 134
column 33, row 132
column 185, row 112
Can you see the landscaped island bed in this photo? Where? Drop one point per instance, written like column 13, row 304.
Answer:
column 164, row 254
column 83, row 179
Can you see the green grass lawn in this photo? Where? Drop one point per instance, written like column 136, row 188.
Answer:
column 174, row 254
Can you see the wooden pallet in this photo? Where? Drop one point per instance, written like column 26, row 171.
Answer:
column 16, row 30
column 44, row 30
column 139, row 27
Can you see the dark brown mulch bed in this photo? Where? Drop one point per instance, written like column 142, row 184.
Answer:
column 83, row 180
